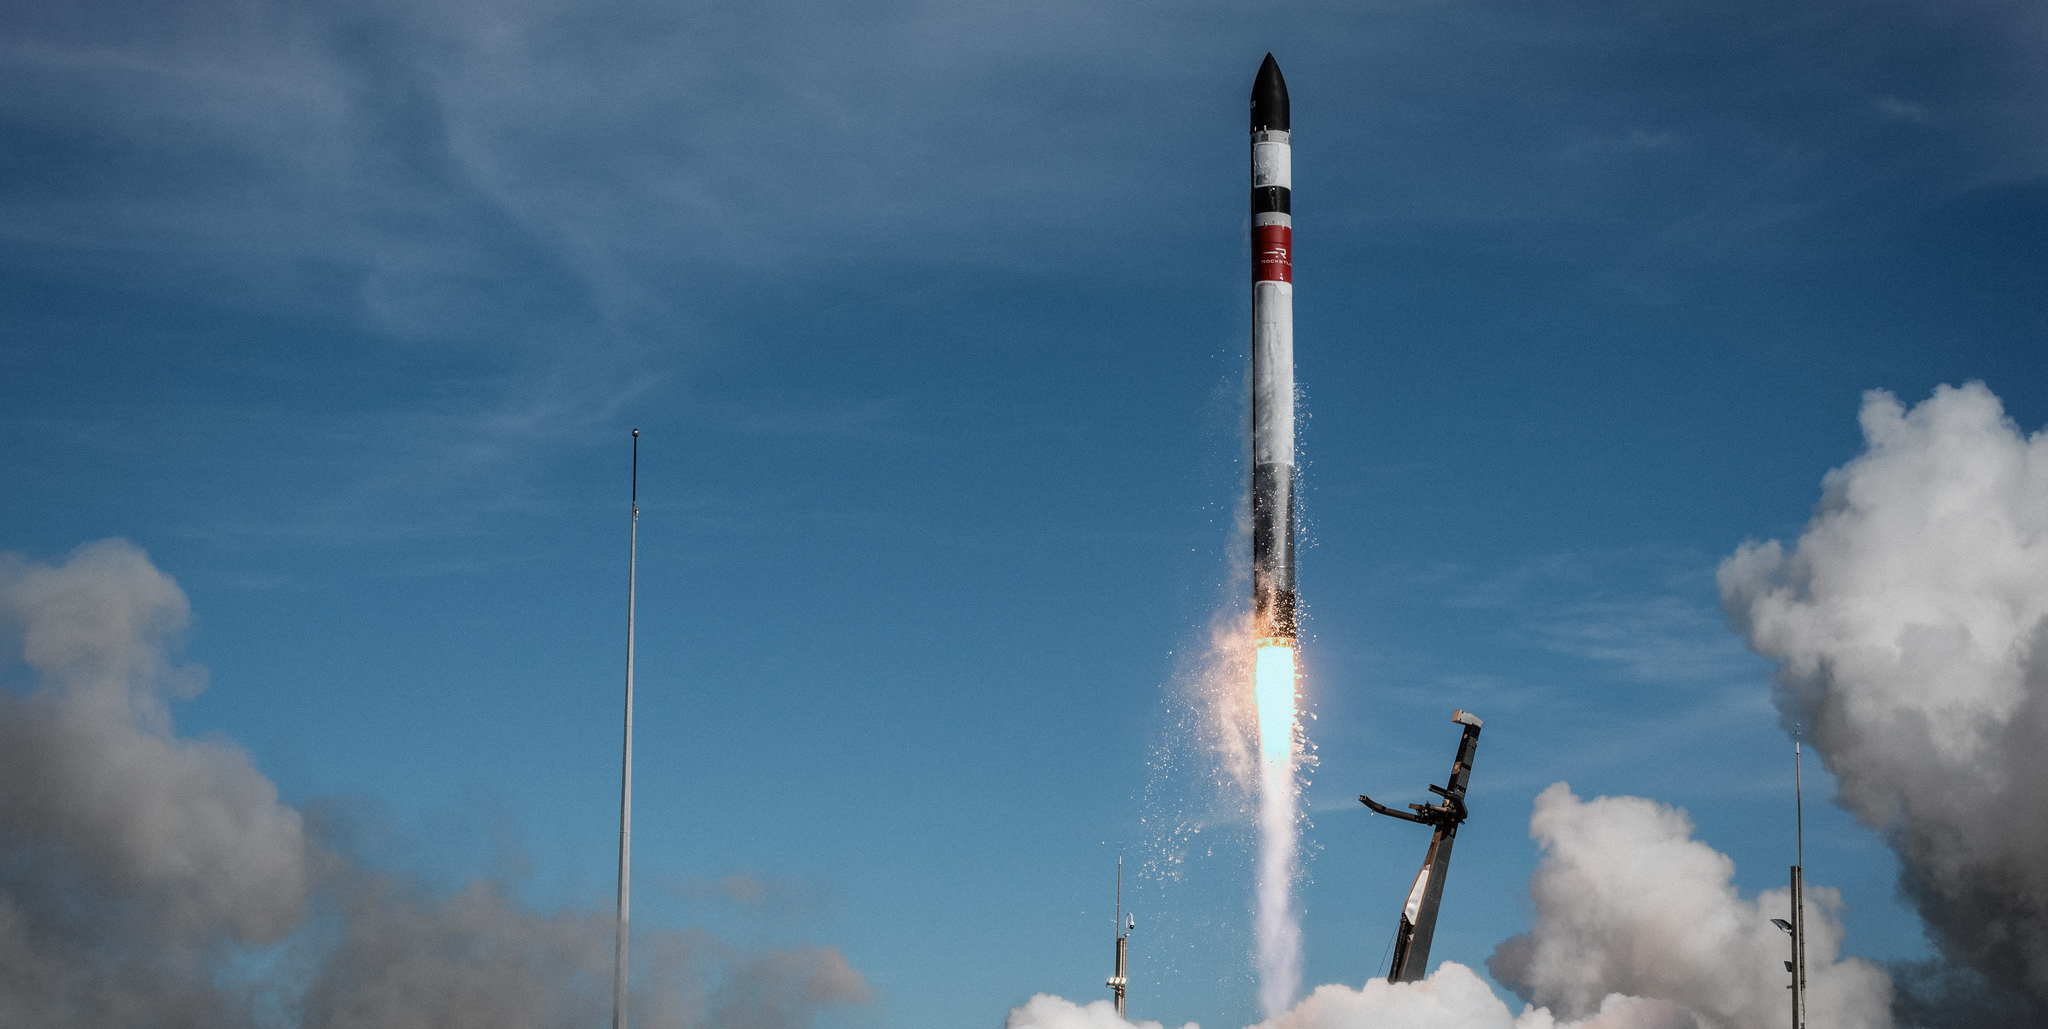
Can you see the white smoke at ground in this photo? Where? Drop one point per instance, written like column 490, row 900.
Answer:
column 1637, row 926
column 149, row 879
column 1452, row 997
column 1909, row 621
column 480, row 960
column 1045, row 1011
column 1628, row 903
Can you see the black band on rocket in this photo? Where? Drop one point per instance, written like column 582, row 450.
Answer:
column 1273, row 549
column 1269, row 200
column 1275, row 615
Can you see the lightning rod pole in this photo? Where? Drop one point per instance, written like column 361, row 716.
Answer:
column 1798, row 891
column 626, row 775
column 1119, row 982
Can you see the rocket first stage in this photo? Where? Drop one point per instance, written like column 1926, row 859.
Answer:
column 1272, row 360
column 1275, row 681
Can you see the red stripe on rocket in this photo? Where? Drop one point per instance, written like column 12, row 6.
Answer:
column 1273, row 253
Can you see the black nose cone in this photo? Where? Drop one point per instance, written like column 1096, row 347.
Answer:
column 1269, row 98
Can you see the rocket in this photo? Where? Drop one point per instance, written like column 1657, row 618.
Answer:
column 1272, row 371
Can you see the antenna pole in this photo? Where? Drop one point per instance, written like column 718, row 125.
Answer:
column 1798, row 890
column 1121, row 980
column 626, row 775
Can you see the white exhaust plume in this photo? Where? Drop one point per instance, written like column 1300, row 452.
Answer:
column 151, row 880
column 1277, row 928
column 1908, row 623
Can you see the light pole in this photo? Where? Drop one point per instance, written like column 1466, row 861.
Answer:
column 1121, row 981
column 1796, row 928
column 626, row 773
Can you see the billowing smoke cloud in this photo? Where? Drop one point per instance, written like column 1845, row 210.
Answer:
column 1453, row 997
column 1908, row 621
column 130, row 860
column 1638, row 926
column 1627, row 902
column 148, row 879
column 480, row 960
column 1046, row 1011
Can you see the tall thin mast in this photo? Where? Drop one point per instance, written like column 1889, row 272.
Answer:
column 1119, row 982
column 626, row 775
column 1798, row 892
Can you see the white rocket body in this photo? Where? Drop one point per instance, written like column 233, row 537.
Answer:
column 1272, row 372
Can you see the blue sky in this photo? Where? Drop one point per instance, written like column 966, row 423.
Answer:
column 933, row 318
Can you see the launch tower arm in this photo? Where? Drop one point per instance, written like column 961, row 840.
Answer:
column 1385, row 810
column 1418, row 915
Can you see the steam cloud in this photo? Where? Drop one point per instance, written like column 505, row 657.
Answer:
column 148, row 879
column 1628, row 903
column 1638, row 926
column 1908, row 622
column 1453, row 997
column 1046, row 1011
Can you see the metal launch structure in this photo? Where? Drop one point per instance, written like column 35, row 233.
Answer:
column 1418, row 915
column 626, row 774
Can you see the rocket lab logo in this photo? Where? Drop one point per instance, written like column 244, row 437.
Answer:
column 1273, row 254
